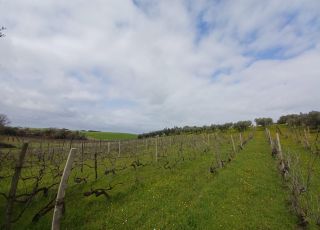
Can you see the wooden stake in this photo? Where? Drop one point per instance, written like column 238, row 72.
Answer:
column 70, row 144
column 57, row 214
column 217, row 155
column 96, row 164
column 82, row 155
column 280, row 152
column 145, row 143
column 156, row 149
column 269, row 137
column 233, row 146
column 306, row 138
column 13, row 188
column 48, row 148
column 241, row 143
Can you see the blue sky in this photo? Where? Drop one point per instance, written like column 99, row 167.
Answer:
column 142, row 65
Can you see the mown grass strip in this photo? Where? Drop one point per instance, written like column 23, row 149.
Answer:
column 248, row 195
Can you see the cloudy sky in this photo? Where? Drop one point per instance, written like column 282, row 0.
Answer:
column 136, row 66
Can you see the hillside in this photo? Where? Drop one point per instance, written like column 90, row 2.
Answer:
column 221, row 180
column 109, row 135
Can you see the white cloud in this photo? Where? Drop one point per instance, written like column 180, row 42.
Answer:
column 144, row 65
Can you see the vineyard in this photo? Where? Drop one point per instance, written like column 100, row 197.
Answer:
column 257, row 179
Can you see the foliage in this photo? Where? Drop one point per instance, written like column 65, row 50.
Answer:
column 242, row 125
column 311, row 119
column 1, row 30
column 4, row 120
column 264, row 121
column 51, row 133
column 187, row 130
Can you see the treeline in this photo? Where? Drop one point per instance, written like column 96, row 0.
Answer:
column 240, row 126
column 311, row 119
column 50, row 133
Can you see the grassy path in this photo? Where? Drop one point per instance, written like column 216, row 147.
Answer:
column 248, row 195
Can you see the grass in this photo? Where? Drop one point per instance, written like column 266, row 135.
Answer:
column 109, row 135
column 247, row 194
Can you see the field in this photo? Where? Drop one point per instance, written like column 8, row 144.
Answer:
column 109, row 135
column 201, row 181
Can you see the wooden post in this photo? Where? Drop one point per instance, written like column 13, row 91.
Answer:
column 271, row 140
column 13, row 188
column 217, row 155
column 233, row 146
column 70, row 144
column 48, row 148
column 241, row 143
column 108, row 147
column 136, row 149
column 57, row 214
column 269, row 137
column 62, row 150
column 280, row 152
column 279, row 145
column 52, row 155
column 306, row 138
column 96, row 163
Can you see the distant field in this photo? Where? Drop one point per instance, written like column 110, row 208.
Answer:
column 110, row 135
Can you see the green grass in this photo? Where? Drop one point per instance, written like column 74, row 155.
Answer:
column 110, row 135
column 247, row 194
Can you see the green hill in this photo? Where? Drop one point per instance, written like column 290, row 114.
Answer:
column 109, row 135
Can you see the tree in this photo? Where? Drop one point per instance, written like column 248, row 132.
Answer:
column 264, row 121
column 311, row 119
column 242, row 125
column 4, row 121
column 225, row 126
column 2, row 29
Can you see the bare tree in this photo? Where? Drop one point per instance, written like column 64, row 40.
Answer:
column 1, row 33
column 4, row 120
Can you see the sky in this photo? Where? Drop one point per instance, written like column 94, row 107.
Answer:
column 143, row 65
